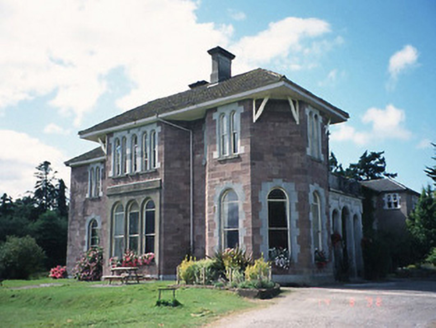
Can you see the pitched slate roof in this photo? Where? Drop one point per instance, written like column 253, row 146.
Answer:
column 385, row 185
column 86, row 157
column 238, row 84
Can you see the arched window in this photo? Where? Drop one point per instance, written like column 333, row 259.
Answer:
column 223, row 135
column 93, row 238
column 153, row 149
column 278, row 220
column 97, row 181
column 230, row 219
column 124, row 155
column 316, row 222
column 234, row 134
column 134, row 154
column 133, row 226
column 91, row 182
column 145, row 152
column 118, row 232
column 117, row 155
column 149, row 227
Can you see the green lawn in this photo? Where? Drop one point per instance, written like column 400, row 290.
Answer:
column 80, row 304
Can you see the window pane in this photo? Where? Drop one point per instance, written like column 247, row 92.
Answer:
column 278, row 239
column 232, row 216
column 277, row 214
column 119, row 224
column 119, row 247
column 134, row 223
column 149, row 223
column 149, row 244
column 133, row 243
column 231, row 238
column 277, row 194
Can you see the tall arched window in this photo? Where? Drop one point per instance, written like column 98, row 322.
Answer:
column 316, row 139
column 93, row 237
column 145, row 152
column 134, row 154
column 153, row 149
column 278, row 220
column 223, row 135
column 118, row 231
column 230, row 219
column 316, row 222
column 97, row 181
column 149, row 227
column 234, row 134
column 91, row 182
column 124, row 155
column 133, row 226
column 117, row 155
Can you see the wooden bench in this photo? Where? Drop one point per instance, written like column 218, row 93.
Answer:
column 162, row 289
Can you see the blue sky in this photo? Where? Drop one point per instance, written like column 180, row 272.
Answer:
column 67, row 65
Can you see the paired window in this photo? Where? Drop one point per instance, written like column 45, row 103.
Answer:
column 135, row 153
column 228, row 133
column 94, row 180
column 230, row 219
column 278, row 220
column 93, row 234
column 315, row 209
column 314, row 134
column 137, row 233
column 392, row 201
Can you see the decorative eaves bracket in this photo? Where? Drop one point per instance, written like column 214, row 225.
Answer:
column 257, row 113
column 295, row 109
column 103, row 146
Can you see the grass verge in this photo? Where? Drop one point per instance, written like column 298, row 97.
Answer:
column 81, row 304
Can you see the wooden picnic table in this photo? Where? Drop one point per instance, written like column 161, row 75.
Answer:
column 124, row 274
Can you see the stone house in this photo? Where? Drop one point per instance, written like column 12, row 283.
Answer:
column 391, row 204
column 237, row 161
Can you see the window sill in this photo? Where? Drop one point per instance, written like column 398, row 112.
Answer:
column 228, row 157
column 133, row 174
column 316, row 159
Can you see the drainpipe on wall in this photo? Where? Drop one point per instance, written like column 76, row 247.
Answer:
column 191, row 181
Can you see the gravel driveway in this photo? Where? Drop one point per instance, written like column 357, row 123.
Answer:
column 393, row 304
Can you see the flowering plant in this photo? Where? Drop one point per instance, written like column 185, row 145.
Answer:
column 130, row 259
column 320, row 259
column 58, row 272
column 89, row 267
column 280, row 257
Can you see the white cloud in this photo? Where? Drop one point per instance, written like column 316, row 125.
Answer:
column 19, row 156
column 424, row 144
column 55, row 129
column 237, row 15
column 385, row 124
column 401, row 61
column 67, row 48
column 290, row 36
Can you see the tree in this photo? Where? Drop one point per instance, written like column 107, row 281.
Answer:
column 369, row 167
column 6, row 205
column 45, row 192
column 431, row 171
column 61, row 199
column 422, row 223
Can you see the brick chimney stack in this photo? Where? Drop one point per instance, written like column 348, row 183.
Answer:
column 221, row 64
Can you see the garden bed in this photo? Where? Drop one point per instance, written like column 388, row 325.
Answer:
column 261, row 293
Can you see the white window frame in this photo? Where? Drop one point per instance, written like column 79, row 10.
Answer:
column 317, row 235
column 224, row 218
column 314, row 136
column 228, row 131
column 133, row 208
column 146, row 155
column 122, row 236
column 144, row 219
column 392, row 201
column 285, row 201
column 95, row 176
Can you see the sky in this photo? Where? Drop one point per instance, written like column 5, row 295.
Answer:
column 68, row 65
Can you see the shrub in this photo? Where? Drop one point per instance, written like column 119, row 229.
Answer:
column 90, row 266
column 20, row 257
column 256, row 284
column 431, row 258
column 258, row 271
column 58, row 272
column 187, row 270
column 205, row 273
column 235, row 259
